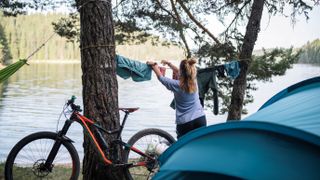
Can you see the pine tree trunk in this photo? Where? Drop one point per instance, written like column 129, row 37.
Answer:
column 100, row 86
column 240, row 84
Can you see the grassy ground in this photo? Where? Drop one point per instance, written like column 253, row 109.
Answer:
column 1, row 170
column 60, row 173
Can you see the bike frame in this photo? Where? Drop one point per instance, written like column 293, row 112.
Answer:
column 98, row 141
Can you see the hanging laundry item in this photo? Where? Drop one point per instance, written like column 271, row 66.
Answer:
column 207, row 80
column 162, row 70
column 220, row 71
column 232, row 69
column 127, row 68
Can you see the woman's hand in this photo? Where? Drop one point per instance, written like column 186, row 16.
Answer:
column 155, row 68
column 172, row 66
column 151, row 63
column 165, row 62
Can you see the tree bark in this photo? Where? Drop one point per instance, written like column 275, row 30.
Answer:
column 100, row 86
column 240, row 83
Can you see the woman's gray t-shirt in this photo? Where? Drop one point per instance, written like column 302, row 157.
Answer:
column 188, row 105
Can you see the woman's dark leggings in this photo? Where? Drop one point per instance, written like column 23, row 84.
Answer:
column 183, row 129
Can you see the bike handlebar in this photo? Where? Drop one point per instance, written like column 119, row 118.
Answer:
column 71, row 101
column 73, row 106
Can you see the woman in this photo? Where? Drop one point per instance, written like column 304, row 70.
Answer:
column 189, row 112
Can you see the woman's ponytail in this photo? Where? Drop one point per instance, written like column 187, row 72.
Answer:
column 191, row 61
column 188, row 75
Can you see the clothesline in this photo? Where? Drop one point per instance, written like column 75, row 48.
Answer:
column 139, row 71
column 206, row 77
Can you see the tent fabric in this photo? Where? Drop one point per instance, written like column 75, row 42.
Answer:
column 243, row 150
column 290, row 90
column 280, row 141
column 297, row 106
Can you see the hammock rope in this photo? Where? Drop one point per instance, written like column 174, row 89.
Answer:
column 8, row 71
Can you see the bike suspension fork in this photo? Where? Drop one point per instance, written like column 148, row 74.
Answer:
column 57, row 144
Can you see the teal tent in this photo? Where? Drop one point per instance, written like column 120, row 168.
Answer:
column 280, row 141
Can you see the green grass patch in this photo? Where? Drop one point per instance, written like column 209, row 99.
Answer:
column 1, row 170
column 25, row 173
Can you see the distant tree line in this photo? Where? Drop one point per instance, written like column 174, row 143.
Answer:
column 20, row 35
column 5, row 53
column 24, row 33
column 310, row 53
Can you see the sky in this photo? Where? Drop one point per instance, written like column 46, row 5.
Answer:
column 280, row 33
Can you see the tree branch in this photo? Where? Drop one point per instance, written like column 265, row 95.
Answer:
column 223, row 6
column 181, row 29
column 167, row 11
column 197, row 22
column 237, row 15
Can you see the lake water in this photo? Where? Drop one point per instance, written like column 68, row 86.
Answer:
column 33, row 98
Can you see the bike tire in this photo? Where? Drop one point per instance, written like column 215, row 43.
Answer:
column 142, row 140
column 25, row 158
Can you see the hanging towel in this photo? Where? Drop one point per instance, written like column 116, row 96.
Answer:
column 232, row 69
column 127, row 68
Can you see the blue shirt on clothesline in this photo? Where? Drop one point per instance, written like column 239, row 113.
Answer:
column 232, row 69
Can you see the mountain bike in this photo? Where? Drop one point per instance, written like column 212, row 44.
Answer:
column 48, row 155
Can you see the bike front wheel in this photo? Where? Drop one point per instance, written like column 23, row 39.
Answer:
column 152, row 142
column 27, row 159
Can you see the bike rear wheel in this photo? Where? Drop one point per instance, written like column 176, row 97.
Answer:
column 27, row 158
column 151, row 142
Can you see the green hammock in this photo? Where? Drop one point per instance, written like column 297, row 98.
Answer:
column 6, row 72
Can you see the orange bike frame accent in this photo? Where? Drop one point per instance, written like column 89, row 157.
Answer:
column 84, row 121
